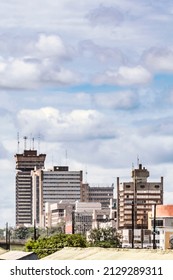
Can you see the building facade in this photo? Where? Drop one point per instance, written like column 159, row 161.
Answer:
column 54, row 185
column 163, row 226
column 98, row 193
column 25, row 163
column 135, row 199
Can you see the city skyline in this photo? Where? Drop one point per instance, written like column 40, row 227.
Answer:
column 92, row 82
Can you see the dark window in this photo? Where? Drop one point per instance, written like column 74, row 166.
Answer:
column 159, row 223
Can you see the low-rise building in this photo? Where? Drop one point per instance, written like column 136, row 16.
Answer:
column 162, row 224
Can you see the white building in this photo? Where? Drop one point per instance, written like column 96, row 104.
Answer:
column 52, row 186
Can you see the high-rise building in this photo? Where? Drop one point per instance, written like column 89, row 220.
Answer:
column 135, row 199
column 25, row 163
column 54, row 185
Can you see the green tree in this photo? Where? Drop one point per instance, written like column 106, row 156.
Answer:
column 105, row 237
column 21, row 233
column 48, row 245
column 2, row 232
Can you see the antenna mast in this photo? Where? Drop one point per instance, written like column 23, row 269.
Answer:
column 137, row 160
column 66, row 157
column 39, row 143
column 25, row 138
column 33, row 143
column 18, row 142
column 86, row 175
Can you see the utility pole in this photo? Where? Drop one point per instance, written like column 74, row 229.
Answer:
column 35, row 231
column 133, row 224
column 6, row 236
column 142, row 233
column 73, row 221
column 154, row 228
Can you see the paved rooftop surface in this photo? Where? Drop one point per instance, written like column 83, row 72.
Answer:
column 110, row 254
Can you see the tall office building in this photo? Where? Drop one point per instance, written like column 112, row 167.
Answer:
column 54, row 185
column 135, row 199
column 25, row 163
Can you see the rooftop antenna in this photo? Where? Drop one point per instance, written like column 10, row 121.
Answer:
column 25, row 138
column 132, row 166
column 30, row 140
column 137, row 160
column 39, row 143
column 18, row 142
column 66, row 157
column 33, row 143
column 86, row 175
column 52, row 161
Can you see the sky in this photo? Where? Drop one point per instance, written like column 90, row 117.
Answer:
column 92, row 83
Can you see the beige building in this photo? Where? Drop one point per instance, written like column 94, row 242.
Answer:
column 136, row 198
column 79, row 217
column 58, row 213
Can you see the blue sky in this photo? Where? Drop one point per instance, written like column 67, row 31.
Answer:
column 95, row 80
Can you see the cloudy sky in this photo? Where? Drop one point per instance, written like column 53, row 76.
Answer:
column 92, row 83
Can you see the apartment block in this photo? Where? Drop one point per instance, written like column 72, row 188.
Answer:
column 136, row 198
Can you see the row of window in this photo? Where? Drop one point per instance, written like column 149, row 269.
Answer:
column 143, row 186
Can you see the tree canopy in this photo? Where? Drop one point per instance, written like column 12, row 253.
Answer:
column 105, row 237
column 48, row 245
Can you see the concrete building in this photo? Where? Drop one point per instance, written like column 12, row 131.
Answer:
column 54, row 185
column 163, row 226
column 97, row 193
column 142, row 238
column 79, row 217
column 25, row 163
column 136, row 198
column 58, row 213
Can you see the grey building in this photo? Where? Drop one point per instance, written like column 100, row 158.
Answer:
column 99, row 193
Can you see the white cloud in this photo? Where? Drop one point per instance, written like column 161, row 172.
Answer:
column 105, row 15
column 117, row 100
column 50, row 45
column 137, row 75
column 25, row 73
column 159, row 59
column 62, row 76
column 16, row 73
column 77, row 125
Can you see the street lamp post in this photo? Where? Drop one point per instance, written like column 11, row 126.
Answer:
column 132, row 224
column 73, row 221
column 35, row 231
column 154, row 227
column 142, row 233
